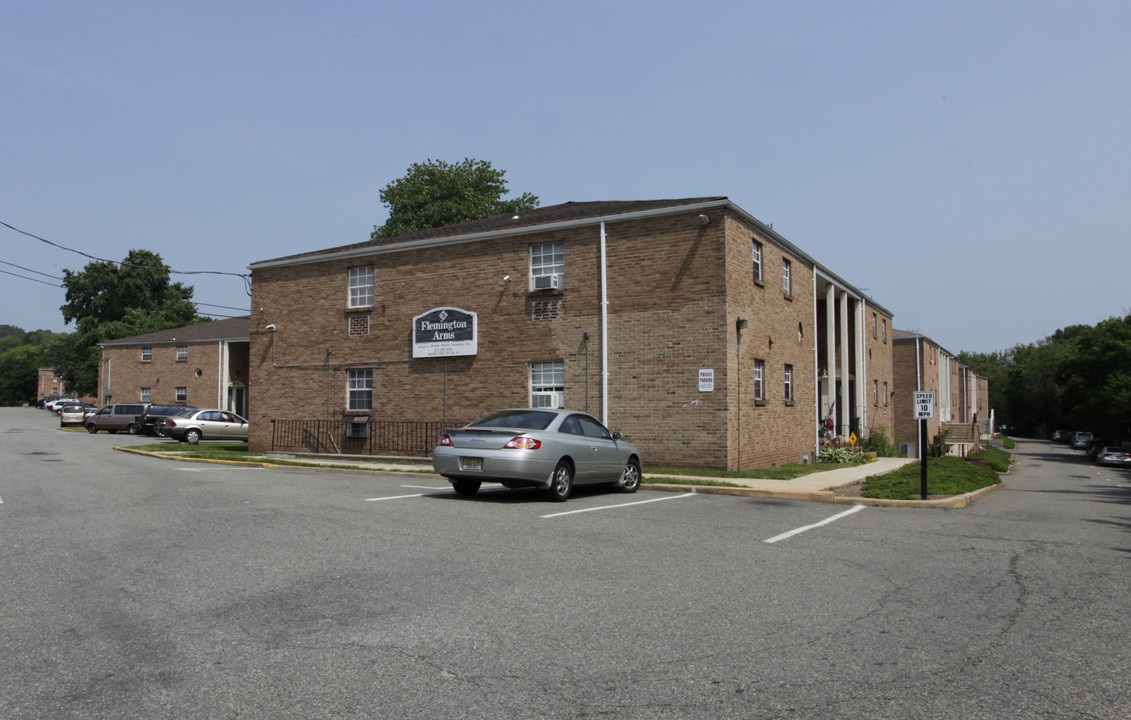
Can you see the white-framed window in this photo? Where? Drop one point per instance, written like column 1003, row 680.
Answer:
column 182, row 353
column 547, row 259
column 182, row 394
column 789, row 383
column 759, row 380
column 147, row 354
column 756, row 248
column 876, row 393
column 887, row 395
column 146, row 394
column 359, row 389
column 361, row 286
column 785, row 272
column 885, row 331
column 547, row 384
column 874, row 333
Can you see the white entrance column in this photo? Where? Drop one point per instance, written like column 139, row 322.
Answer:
column 828, row 392
column 845, row 385
column 861, row 395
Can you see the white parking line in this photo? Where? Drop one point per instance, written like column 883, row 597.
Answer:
column 621, row 505
column 395, row 497
column 426, row 487
column 191, row 469
column 826, row 521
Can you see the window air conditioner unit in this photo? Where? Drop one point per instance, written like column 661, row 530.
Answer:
column 545, row 282
column 357, row 427
column 551, row 400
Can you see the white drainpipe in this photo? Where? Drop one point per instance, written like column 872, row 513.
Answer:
column 604, row 331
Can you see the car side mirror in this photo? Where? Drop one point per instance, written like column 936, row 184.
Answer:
column 618, row 436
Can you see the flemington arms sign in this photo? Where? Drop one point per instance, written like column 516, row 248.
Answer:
column 445, row 332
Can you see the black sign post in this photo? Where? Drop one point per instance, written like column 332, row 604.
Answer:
column 924, row 411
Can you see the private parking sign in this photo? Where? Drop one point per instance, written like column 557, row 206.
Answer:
column 925, row 405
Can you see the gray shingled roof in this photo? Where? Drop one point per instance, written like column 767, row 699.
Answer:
column 529, row 219
column 238, row 328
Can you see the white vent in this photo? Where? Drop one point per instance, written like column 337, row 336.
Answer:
column 545, row 282
column 547, row 400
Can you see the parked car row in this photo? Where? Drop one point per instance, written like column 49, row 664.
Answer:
column 1096, row 449
column 183, row 423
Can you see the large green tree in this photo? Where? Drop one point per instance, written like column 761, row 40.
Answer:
column 108, row 300
column 435, row 193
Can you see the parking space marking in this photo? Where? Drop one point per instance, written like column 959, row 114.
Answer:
column 395, row 497
column 826, row 521
column 620, row 505
column 426, row 487
column 191, row 469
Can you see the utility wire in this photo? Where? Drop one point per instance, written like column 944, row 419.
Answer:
column 42, row 282
column 21, row 267
column 118, row 262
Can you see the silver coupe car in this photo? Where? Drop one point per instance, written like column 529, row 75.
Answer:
column 536, row 447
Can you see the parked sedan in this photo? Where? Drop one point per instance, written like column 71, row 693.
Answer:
column 1081, row 439
column 1117, row 456
column 197, row 425
column 536, row 447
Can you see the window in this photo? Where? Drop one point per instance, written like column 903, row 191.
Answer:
column 360, row 389
column 547, row 259
column 147, row 354
column 759, row 375
column 785, row 287
column 182, row 353
column 182, row 394
column 757, row 248
column 876, row 393
column 361, row 286
column 885, row 331
column 874, row 335
column 146, row 394
column 789, row 383
column 547, row 384
column 886, row 393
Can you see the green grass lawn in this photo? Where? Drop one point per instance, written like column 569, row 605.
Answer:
column 945, row 476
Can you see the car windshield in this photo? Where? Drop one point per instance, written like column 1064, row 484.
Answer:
column 520, row 419
column 1117, row 450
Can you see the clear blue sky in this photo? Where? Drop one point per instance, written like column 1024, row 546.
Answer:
column 966, row 163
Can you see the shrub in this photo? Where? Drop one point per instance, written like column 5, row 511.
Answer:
column 840, row 456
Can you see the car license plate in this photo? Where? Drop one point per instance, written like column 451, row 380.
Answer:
column 471, row 463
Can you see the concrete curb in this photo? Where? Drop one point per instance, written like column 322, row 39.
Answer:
column 821, row 496
column 953, row 502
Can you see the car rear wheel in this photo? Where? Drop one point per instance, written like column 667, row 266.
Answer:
column 630, row 479
column 134, row 429
column 466, row 487
column 92, row 428
column 192, row 436
column 561, row 482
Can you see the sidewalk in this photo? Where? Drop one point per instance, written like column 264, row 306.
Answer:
column 828, row 486
column 814, row 487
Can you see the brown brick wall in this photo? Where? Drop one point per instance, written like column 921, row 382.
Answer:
column 676, row 288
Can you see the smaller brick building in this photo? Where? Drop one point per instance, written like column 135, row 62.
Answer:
column 204, row 365
column 921, row 364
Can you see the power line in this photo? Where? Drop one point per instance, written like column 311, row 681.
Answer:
column 42, row 282
column 21, row 267
column 245, row 276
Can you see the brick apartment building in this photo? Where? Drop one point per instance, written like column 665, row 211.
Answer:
column 690, row 326
column 204, row 365
column 48, row 383
column 961, row 395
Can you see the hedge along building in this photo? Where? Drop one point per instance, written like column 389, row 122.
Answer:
column 690, row 326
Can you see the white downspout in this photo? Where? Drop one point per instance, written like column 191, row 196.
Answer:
column 604, row 331
column 816, row 376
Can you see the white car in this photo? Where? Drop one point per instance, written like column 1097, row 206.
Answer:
column 72, row 414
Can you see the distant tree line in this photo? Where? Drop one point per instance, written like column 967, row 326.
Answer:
column 1079, row 378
